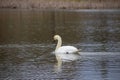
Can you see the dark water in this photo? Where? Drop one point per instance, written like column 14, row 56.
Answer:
column 26, row 44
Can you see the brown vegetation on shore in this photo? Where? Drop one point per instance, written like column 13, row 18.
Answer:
column 60, row 4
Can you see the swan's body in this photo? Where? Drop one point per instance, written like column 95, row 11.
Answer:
column 65, row 53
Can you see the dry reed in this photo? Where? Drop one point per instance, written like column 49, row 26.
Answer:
column 60, row 4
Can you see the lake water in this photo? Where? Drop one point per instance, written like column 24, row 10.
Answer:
column 26, row 44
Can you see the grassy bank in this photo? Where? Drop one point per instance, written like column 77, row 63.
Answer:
column 60, row 4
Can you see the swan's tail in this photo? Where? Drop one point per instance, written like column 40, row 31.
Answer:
column 77, row 52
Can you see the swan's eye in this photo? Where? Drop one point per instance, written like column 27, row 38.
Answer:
column 67, row 52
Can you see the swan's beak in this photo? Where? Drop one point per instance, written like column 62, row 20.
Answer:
column 53, row 41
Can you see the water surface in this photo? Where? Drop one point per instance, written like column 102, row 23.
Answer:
column 26, row 44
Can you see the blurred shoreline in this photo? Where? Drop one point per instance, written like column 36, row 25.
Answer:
column 61, row 4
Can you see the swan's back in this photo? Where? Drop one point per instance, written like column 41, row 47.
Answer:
column 64, row 49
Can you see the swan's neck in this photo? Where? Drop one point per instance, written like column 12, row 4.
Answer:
column 59, row 43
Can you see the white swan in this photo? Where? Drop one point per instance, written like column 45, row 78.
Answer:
column 65, row 53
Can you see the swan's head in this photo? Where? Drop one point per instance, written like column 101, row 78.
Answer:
column 56, row 37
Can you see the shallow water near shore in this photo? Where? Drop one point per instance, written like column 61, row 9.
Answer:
column 26, row 44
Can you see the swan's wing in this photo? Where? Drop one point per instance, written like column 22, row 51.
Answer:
column 67, row 49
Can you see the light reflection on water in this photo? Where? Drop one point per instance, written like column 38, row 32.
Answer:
column 26, row 44
column 37, row 62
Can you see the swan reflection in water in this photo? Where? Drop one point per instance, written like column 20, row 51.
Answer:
column 64, row 53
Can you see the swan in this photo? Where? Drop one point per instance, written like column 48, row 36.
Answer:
column 65, row 53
